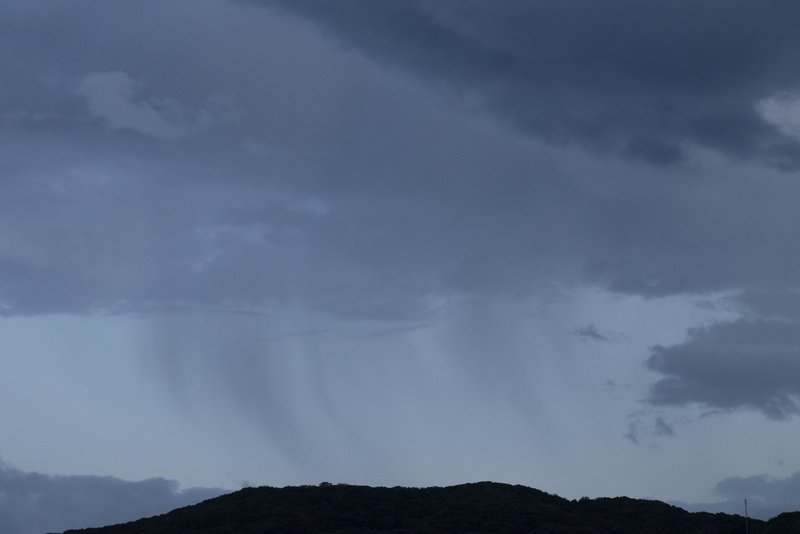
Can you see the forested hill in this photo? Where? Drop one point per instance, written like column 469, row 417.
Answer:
column 479, row 507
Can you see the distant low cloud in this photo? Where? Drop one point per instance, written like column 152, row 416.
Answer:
column 33, row 503
column 766, row 496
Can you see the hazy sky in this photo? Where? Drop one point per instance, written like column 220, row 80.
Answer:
column 397, row 242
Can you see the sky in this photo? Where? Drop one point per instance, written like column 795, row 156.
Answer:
column 417, row 242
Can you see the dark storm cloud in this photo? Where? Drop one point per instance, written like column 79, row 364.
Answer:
column 206, row 168
column 752, row 364
column 32, row 503
column 190, row 172
column 647, row 81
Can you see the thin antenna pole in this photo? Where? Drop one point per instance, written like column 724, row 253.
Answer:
column 746, row 523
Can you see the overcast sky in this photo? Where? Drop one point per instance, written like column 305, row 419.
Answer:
column 397, row 243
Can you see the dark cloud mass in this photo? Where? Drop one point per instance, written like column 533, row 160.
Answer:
column 33, row 503
column 178, row 174
column 751, row 363
column 649, row 81
column 725, row 366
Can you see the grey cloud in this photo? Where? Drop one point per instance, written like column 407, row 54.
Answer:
column 633, row 432
column 647, row 425
column 344, row 187
column 32, row 503
column 646, row 81
column 743, row 364
column 749, row 363
column 590, row 333
column 662, row 428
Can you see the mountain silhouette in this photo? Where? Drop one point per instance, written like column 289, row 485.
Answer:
column 477, row 507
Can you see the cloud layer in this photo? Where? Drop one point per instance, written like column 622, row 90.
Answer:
column 326, row 181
